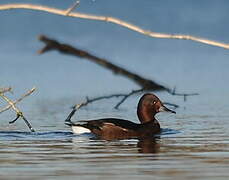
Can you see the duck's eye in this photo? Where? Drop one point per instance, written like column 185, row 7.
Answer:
column 154, row 102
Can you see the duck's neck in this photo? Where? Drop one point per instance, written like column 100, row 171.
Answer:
column 145, row 115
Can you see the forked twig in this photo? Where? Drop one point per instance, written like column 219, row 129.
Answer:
column 145, row 84
column 18, row 100
column 18, row 112
column 69, row 10
column 123, row 95
column 88, row 101
column 185, row 95
column 4, row 90
column 127, row 96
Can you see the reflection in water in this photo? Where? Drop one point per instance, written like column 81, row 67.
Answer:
column 148, row 145
column 144, row 145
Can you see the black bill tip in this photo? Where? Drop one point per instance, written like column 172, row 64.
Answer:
column 165, row 109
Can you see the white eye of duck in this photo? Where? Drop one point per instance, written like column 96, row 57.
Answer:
column 154, row 102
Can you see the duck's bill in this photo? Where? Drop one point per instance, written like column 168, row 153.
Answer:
column 165, row 109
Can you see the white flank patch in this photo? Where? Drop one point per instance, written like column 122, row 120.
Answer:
column 80, row 130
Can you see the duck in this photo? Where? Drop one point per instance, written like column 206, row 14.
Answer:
column 113, row 128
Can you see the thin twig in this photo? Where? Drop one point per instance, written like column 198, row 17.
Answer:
column 115, row 21
column 11, row 122
column 127, row 96
column 185, row 95
column 88, row 101
column 69, row 10
column 171, row 104
column 18, row 100
column 18, row 112
column 4, row 90
column 123, row 95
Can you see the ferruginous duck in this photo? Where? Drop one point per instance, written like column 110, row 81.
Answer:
column 112, row 128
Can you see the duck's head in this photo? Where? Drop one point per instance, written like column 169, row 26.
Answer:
column 148, row 106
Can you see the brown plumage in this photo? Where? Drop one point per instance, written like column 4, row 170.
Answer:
column 112, row 128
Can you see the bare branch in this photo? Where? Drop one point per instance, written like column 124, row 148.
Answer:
column 185, row 95
column 146, row 84
column 18, row 100
column 127, row 96
column 18, row 112
column 88, row 101
column 4, row 90
column 115, row 21
column 124, row 98
column 69, row 10
column 123, row 95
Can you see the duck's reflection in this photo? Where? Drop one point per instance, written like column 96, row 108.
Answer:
column 148, row 145
column 142, row 145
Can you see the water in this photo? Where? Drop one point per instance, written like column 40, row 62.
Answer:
column 63, row 155
column 194, row 143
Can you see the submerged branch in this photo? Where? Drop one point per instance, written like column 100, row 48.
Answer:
column 64, row 12
column 123, row 95
column 18, row 112
column 89, row 101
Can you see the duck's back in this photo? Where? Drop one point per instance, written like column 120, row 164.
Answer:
column 100, row 123
column 112, row 128
column 108, row 128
